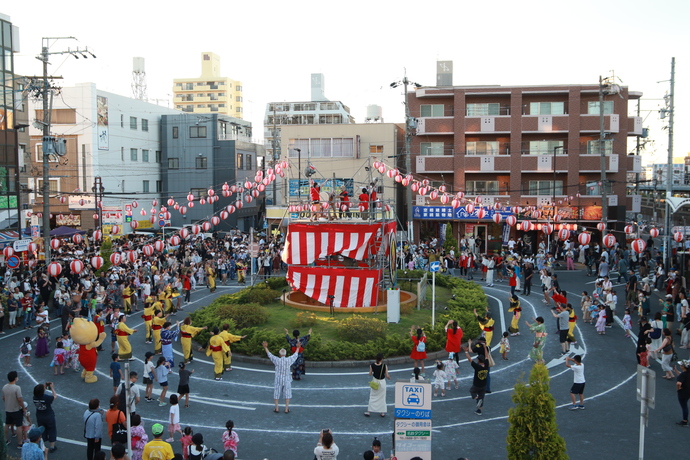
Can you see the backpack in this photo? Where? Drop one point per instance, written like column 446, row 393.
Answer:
column 122, row 397
column 421, row 346
column 24, row 349
column 199, row 456
column 119, row 431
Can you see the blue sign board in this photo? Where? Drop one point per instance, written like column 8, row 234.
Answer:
column 13, row 261
column 435, row 266
column 448, row 213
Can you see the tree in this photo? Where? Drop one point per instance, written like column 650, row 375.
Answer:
column 450, row 241
column 106, row 251
column 533, row 432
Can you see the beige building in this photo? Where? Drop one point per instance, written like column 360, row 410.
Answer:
column 209, row 93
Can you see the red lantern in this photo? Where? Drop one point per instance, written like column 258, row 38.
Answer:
column 639, row 245
column 171, row 202
column 239, row 204
column 31, row 248
column 95, row 216
column 653, row 232
column 433, row 195
column 190, row 197
column 497, row 218
column 609, row 240
column 481, row 213
column 54, row 243
column 215, row 220
column 202, row 201
column 224, row 215
column 135, row 204
column 445, row 198
column 183, row 210
column 132, row 256
column 206, row 226
column 9, row 252
column 255, row 194
column 584, row 238
column 478, row 200
column 678, row 236
column 563, row 234
column 455, row 203
column 230, row 209
column 134, row 224
column 557, row 218
column 536, row 214
column 527, row 225
column 115, row 229
column 211, row 192
column 174, row 240
column 547, row 229
column 159, row 246
column 184, row 233
column 196, row 229
column 76, row 266
column 154, row 203
column 97, row 262
column 77, row 238
column 469, row 208
column 148, row 250
column 190, row 204
column 601, row 226
column 116, row 258
column 248, row 198
column 97, row 235
column 63, row 199
column 54, row 269
column 511, row 220
column 629, row 229
column 81, row 202
column 142, row 212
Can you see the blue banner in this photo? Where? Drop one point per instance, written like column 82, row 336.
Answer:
column 448, row 213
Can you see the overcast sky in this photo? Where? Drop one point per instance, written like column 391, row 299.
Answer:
column 362, row 46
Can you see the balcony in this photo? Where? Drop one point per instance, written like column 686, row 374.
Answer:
column 545, row 123
column 435, row 126
column 435, row 164
column 486, row 163
column 590, row 123
column 487, row 124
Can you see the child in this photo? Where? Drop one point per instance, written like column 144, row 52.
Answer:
column 627, row 323
column 183, row 386
column 439, row 379
column 174, row 419
column 139, row 437
column 162, row 371
column 643, row 354
column 593, row 312
column 415, row 375
column 23, row 434
column 452, row 370
column 59, row 358
column 186, row 441
column 376, row 448
column 25, row 351
column 230, row 438
column 504, row 345
column 149, row 376
column 116, row 372
column 601, row 320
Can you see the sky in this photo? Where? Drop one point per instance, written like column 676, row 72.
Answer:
column 362, row 46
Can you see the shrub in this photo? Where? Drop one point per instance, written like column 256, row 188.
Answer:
column 359, row 329
column 277, row 283
column 243, row 315
column 260, row 294
column 304, row 319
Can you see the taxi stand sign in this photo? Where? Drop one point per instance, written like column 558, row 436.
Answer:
column 412, row 435
column 412, row 400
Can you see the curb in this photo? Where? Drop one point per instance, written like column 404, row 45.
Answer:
column 338, row 364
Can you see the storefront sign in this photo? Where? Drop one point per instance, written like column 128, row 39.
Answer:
column 448, row 213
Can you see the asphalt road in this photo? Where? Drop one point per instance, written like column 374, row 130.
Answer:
column 337, row 398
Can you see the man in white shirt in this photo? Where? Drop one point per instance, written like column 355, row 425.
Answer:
column 578, row 388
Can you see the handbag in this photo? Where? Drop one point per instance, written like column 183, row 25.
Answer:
column 119, row 432
column 490, row 360
column 374, row 385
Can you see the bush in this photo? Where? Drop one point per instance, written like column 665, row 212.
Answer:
column 304, row 319
column 277, row 283
column 359, row 329
column 261, row 294
column 243, row 315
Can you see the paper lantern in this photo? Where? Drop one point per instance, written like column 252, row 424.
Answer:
column 601, row 226
column 63, row 199
column 202, row 201
column 135, row 204
column 563, row 234
column 609, row 240
column 9, row 252
column 547, row 229
column 76, row 266
column 433, row 195
column 190, row 204
column 196, row 229
column 190, row 197
column 116, row 258
column 478, row 200
column 224, row 215
column 515, row 209
column 391, row 173
column 584, row 238
column 239, row 204
column 206, row 226
column 230, row 208
column 54, row 243
column 557, row 218
column 255, row 194
column 171, row 202
column 97, row 235
column 226, row 193
column 526, row 225
column 497, row 206
column 115, row 229
column 497, row 218
column 183, row 210
column 629, row 229
column 152, row 219
column 54, row 269
column 639, row 245
column 445, row 198
column 678, row 237
column 39, row 215
column 143, row 212
column 211, row 192
column 653, row 232
column 536, row 214
column 132, row 256
column 31, row 248
column 81, row 202
column 167, row 215
column 455, row 203
column 174, row 240
column 511, row 220
column 469, row 209
column 95, row 216
column 184, row 233
column 134, row 224
column 215, row 220
column 154, row 203
column 148, row 250
column 96, row 262
column 77, row 238
column 414, row 187
column 248, row 198
column 481, row 213
column 158, row 246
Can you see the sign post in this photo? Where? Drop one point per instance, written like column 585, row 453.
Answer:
column 646, row 388
column 412, row 435
column 433, row 268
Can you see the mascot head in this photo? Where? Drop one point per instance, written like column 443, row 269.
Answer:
column 83, row 332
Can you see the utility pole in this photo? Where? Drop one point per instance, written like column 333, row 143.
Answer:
column 98, row 191
column 669, row 168
column 602, row 153
column 274, row 143
column 49, row 146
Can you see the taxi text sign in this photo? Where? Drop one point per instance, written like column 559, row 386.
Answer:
column 412, row 439
column 413, row 400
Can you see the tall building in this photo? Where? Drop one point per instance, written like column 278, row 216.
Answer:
column 116, row 138
column 523, row 145
column 9, row 128
column 209, row 93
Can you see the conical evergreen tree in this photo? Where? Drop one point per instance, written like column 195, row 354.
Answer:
column 533, row 432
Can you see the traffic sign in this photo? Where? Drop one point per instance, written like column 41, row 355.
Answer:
column 413, row 400
column 161, row 223
column 254, row 250
column 22, row 245
column 412, row 439
column 161, row 215
column 435, row 267
column 12, row 262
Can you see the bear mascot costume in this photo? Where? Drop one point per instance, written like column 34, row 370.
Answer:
column 85, row 333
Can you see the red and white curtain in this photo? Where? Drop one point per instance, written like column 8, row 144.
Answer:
column 351, row 288
column 306, row 243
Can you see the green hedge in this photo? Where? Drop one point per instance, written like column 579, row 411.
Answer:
column 360, row 337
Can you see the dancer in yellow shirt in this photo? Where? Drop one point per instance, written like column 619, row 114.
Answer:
column 217, row 348
column 123, row 332
column 187, row 333
column 229, row 338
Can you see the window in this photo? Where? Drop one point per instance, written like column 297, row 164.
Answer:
column 240, row 163
column 145, row 155
column 545, row 147
column 431, row 110
column 201, row 162
column 545, row 187
column 593, row 188
column 122, row 154
column 19, row 98
column 593, row 147
column 173, row 163
column 196, row 132
column 189, row 86
column 175, row 132
column 238, row 109
column 482, row 148
column 376, row 149
column 339, row 147
column 329, row 106
column 158, row 156
column 53, row 187
column 238, row 99
column 481, row 187
column 39, row 155
column 478, row 110
column 132, row 122
column 145, row 186
column 238, row 88
column 144, row 124
column 431, row 148
column 547, row 108
column 159, row 186
column 198, row 193
column 133, row 154
column 593, row 107
column 248, row 161
column 122, row 121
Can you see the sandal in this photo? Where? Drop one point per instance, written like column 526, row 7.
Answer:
column 276, row 411
column 367, row 414
column 186, row 405
column 287, row 411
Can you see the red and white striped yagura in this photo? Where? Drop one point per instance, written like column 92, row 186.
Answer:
column 350, row 287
